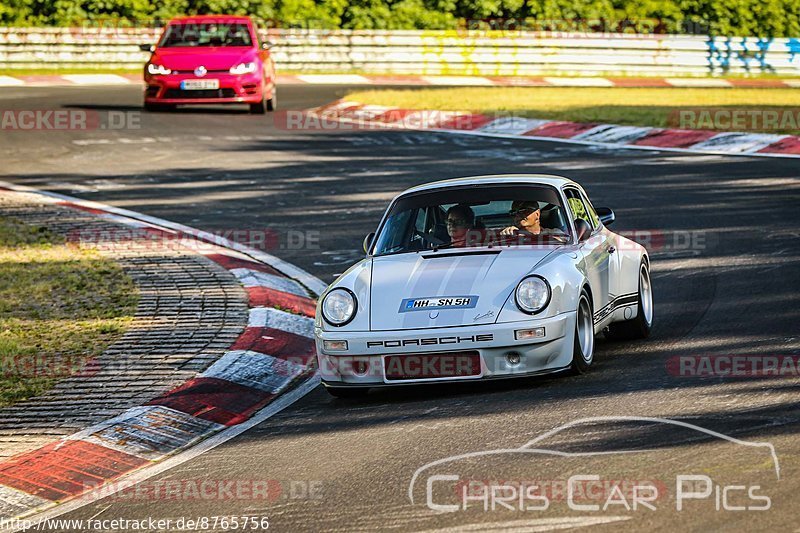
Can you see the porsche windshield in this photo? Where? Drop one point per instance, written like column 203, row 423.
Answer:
column 478, row 216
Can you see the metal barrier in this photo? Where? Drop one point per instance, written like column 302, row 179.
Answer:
column 485, row 53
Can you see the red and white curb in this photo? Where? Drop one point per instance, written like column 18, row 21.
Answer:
column 369, row 117
column 44, row 80
column 270, row 366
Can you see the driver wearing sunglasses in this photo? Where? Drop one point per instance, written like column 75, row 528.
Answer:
column 525, row 214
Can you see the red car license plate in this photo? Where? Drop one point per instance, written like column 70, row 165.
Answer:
column 199, row 85
column 432, row 366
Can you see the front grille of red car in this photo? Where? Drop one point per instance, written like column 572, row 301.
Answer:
column 205, row 93
column 432, row 365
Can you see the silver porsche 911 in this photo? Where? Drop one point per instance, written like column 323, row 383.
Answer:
column 482, row 278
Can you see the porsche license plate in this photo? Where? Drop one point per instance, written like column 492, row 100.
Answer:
column 436, row 302
column 199, row 85
column 432, row 366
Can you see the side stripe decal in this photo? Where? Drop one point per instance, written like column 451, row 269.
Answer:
column 620, row 301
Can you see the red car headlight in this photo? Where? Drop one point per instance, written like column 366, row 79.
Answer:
column 244, row 68
column 157, row 70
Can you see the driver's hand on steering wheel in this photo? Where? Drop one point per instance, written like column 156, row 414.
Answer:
column 510, row 230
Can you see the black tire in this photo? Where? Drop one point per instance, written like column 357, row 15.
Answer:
column 347, row 392
column 259, row 108
column 584, row 335
column 638, row 327
column 158, row 108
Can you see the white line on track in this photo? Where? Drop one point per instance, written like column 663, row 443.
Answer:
column 96, row 79
column 335, row 79
column 207, row 445
column 458, row 80
column 698, row 82
column 8, row 81
column 284, row 401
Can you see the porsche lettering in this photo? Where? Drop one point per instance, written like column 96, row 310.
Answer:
column 430, row 341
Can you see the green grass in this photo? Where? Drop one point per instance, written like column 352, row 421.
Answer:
column 60, row 306
column 614, row 105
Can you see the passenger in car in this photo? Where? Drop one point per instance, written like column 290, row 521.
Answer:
column 460, row 223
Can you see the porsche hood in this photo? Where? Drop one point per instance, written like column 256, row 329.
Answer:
column 446, row 288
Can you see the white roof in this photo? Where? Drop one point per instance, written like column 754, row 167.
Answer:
column 531, row 179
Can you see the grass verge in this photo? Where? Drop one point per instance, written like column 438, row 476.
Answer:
column 60, row 306
column 658, row 107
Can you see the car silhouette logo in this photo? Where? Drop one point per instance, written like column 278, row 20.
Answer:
column 200, row 71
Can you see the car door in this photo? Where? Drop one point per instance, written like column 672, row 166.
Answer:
column 595, row 251
column 612, row 248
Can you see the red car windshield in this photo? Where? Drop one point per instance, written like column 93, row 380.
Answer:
column 190, row 35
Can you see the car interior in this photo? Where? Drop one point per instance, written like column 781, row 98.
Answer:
column 430, row 228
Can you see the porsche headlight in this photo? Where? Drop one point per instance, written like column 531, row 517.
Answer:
column 339, row 307
column 157, row 70
column 532, row 294
column 243, row 68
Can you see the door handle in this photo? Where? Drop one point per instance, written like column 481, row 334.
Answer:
column 611, row 249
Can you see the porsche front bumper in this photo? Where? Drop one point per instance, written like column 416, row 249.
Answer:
column 367, row 362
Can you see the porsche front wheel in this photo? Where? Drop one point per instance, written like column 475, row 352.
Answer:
column 583, row 349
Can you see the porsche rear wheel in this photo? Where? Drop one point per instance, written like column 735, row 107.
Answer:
column 639, row 326
column 583, row 350
column 347, row 392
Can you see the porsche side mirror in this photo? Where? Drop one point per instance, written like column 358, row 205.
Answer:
column 368, row 242
column 147, row 48
column 583, row 229
column 606, row 215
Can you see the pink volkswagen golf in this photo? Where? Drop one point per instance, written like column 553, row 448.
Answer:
column 210, row 60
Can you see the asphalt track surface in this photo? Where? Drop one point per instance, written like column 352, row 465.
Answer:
column 347, row 465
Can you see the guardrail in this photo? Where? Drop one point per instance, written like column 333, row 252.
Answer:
column 486, row 53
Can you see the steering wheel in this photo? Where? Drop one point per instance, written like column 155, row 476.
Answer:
column 429, row 239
